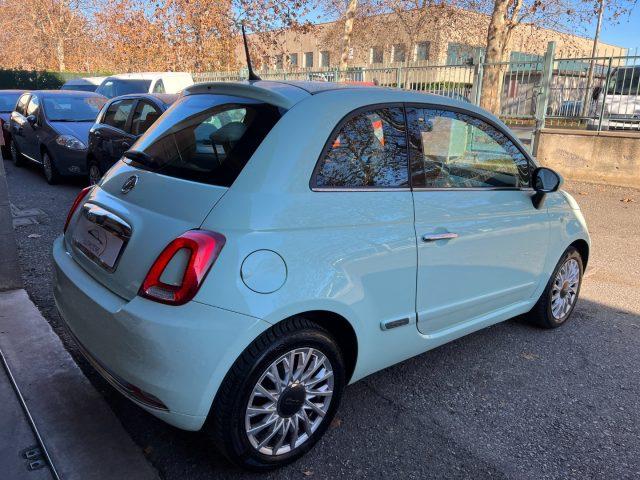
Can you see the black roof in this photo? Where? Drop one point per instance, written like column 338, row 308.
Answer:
column 161, row 98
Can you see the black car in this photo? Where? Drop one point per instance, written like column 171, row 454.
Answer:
column 8, row 100
column 51, row 127
column 120, row 123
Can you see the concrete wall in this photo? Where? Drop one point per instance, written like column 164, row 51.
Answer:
column 611, row 157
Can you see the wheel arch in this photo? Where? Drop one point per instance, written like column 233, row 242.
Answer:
column 583, row 249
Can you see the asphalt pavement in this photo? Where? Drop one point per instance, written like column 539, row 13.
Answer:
column 511, row 401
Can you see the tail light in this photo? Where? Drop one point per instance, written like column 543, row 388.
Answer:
column 203, row 247
column 74, row 206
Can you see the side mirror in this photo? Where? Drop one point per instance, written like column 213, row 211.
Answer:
column 32, row 119
column 545, row 181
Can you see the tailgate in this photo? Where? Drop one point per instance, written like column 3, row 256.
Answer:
column 139, row 224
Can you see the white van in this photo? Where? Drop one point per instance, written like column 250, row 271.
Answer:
column 86, row 84
column 150, row 82
column 620, row 99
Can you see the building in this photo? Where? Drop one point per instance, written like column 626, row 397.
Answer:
column 457, row 37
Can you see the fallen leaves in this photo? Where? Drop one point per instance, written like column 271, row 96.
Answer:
column 529, row 356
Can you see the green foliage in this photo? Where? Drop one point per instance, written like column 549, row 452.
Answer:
column 37, row 80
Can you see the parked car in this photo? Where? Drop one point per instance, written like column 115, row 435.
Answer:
column 51, row 127
column 86, row 84
column 126, row 83
column 120, row 123
column 267, row 243
column 8, row 99
column 618, row 102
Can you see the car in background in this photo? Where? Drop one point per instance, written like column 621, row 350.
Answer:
column 618, row 101
column 120, row 123
column 86, row 84
column 51, row 127
column 151, row 82
column 266, row 243
column 8, row 99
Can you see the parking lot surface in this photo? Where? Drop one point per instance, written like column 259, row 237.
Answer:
column 511, row 401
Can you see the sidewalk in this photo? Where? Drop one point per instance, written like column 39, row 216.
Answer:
column 82, row 435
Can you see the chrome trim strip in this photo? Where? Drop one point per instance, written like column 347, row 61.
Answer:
column 362, row 189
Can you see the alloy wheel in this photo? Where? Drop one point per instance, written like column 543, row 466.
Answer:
column 94, row 174
column 48, row 168
column 289, row 401
column 565, row 289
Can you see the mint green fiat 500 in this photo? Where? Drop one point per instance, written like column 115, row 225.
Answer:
column 265, row 244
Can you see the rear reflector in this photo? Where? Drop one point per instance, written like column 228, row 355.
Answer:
column 203, row 247
column 74, row 206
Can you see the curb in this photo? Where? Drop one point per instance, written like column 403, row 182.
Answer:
column 10, row 278
column 83, row 437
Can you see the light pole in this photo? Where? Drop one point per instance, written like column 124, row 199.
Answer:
column 594, row 51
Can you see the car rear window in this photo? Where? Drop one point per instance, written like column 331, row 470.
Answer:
column 114, row 87
column 205, row 138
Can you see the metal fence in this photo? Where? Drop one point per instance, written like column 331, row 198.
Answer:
column 543, row 90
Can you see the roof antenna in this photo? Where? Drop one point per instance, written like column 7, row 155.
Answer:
column 252, row 75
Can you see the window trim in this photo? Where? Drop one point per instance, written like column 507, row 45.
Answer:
column 530, row 160
column 374, row 106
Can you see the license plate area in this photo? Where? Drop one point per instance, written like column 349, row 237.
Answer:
column 101, row 236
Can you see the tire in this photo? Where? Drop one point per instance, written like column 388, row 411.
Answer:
column 564, row 287
column 16, row 156
column 229, row 422
column 51, row 173
column 94, row 173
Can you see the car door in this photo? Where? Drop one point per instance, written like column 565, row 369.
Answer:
column 30, row 132
column 113, row 136
column 363, row 195
column 19, row 120
column 481, row 242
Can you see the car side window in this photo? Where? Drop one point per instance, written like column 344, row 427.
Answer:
column 118, row 113
column 368, row 151
column 454, row 150
column 159, row 87
column 34, row 106
column 144, row 116
column 21, row 106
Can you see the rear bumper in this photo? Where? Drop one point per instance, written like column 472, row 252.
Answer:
column 168, row 360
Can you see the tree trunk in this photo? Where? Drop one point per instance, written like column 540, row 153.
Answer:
column 348, row 28
column 60, row 54
column 497, row 40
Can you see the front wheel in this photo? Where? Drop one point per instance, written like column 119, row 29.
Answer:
column 94, row 172
column 559, row 298
column 279, row 397
column 50, row 170
column 16, row 156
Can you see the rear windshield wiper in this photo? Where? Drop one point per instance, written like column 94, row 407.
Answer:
column 140, row 157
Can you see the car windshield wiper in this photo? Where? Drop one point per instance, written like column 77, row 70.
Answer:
column 142, row 157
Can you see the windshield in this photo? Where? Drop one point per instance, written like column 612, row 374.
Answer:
column 205, row 138
column 76, row 108
column 625, row 81
column 8, row 101
column 114, row 87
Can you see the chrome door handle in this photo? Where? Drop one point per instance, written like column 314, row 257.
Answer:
column 439, row 236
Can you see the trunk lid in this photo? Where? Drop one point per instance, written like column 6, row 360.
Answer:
column 157, row 209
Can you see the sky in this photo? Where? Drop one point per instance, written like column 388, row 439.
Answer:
column 624, row 33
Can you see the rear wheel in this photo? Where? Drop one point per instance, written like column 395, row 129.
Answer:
column 279, row 397
column 16, row 156
column 560, row 296
column 49, row 167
